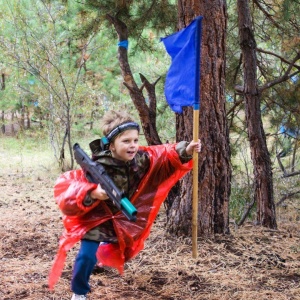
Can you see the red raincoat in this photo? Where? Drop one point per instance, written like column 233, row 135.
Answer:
column 71, row 188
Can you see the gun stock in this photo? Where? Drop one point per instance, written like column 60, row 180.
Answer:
column 96, row 173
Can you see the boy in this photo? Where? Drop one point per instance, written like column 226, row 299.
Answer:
column 144, row 174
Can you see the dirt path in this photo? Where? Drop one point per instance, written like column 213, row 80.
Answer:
column 251, row 263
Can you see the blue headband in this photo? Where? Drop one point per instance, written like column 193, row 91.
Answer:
column 106, row 140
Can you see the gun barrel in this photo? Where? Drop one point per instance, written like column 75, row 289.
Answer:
column 128, row 207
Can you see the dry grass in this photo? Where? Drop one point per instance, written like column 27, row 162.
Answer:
column 251, row 262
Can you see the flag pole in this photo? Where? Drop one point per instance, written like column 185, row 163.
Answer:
column 195, row 138
column 195, row 187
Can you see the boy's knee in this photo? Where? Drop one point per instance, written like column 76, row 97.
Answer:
column 88, row 251
column 88, row 257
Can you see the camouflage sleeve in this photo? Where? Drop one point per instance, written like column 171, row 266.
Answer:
column 70, row 190
column 181, row 150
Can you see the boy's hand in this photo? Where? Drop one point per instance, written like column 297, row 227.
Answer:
column 193, row 146
column 98, row 193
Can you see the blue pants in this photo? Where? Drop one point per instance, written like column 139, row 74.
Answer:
column 84, row 266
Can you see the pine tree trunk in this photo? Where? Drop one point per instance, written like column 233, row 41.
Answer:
column 3, row 114
column 214, row 159
column 263, row 177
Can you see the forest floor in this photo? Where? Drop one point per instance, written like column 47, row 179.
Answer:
column 249, row 263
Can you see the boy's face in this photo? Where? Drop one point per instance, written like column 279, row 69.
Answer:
column 125, row 145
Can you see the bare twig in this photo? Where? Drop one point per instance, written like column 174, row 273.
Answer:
column 282, row 78
column 267, row 14
column 278, row 56
column 287, row 196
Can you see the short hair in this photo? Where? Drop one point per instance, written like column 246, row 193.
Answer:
column 112, row 119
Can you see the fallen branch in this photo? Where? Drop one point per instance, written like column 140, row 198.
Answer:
column 246, row 212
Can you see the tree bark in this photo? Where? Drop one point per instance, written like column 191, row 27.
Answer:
column 263, row 177
column 3, row 114
column 214, row 159
column 147, row 113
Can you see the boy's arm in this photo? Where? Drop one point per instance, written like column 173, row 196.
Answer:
column 185, row 150
column 70, row 192
column 181, row 150
column 94, row 195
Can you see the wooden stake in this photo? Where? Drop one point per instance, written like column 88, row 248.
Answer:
column 195, row 186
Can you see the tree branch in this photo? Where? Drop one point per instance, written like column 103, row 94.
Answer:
column 287, row 196
column 283, row 78
column 147, row 115
column 285, row 174
column 268, row 15
column 246, row 212
column 150, row 88
column 236, row 104
column 280, row 163
column 291, row 174
column 278, row 56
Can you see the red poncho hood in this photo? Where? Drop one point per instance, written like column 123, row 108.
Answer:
column 71, row 187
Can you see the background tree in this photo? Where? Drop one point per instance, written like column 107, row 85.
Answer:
column 252, row 90
column 35, row 49
column 2, row 88
column 263, row 186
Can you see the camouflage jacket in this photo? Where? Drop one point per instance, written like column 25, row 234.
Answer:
column 126, row 177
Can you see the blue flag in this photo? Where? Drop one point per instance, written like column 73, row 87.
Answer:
column 182, row 82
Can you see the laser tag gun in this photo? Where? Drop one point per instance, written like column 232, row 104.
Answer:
column 96, row 173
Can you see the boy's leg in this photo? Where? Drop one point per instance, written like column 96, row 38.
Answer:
column 83, row 267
